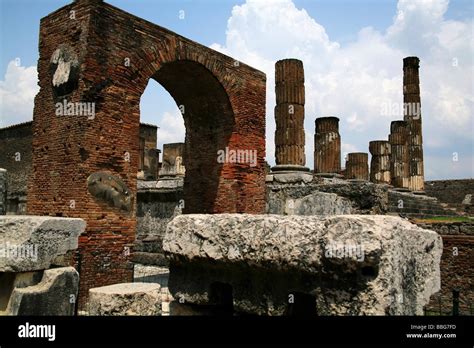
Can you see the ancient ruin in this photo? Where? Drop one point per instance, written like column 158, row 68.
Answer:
column 289, row 112
column 3, row 191
column 406, row 139
column 337, row 265
column 224, row 106
column 327, row 147
column 35, row 278
column 216, row 232
column 148, row 153
column 357, row 166
column 289, row 118
column 173, row 160
column 381, row 151
column 126, row 299
column 399, row 158
column 412, row 115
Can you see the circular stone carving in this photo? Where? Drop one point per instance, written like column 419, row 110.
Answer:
column 110, row 189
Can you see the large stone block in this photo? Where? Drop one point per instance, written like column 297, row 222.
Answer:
column 30, row 243
column 52, row 292
column 133, row 299
column 336, row 265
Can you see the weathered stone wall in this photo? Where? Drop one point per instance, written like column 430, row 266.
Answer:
column 326, row 197
column 15, row 157
column 411, row 205
column 450, row 191
column 457, row 266
column 156, row 207
column 111, row 55
column 172, row 163
column 149, row 154
column 3, row 191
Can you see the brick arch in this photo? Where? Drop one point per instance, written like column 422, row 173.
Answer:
column 209, row 121
column 114, row 54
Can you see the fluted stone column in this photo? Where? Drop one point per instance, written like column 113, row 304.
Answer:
column 412, row 115
column 399, row 160
column 289, row 117
column 380, row 162
column 357, row 166
column 327, row 147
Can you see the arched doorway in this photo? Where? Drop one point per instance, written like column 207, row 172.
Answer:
column 209, row 121
column 105, row 57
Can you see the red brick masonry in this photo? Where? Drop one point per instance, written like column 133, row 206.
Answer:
column 111, row 56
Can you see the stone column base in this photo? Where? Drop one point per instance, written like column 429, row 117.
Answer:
column 357, row 180
column 421, row 193
column 288, row 173
column 401, row 189
column 329, row 175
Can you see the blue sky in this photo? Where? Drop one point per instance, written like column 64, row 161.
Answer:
column 205, row 20
column 346, row 46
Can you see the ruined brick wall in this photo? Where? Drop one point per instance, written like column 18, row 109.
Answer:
column 457, row 267
column 15, row 157
column 111, row 56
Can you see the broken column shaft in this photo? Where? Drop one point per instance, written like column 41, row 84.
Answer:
column 289, row 114
column 380, row 162
column 357, row 166
column 327, row 146
column 412, row 115
column 173, row 160
column 399, row 154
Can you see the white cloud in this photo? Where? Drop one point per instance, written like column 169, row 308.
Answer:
column 354, row 81
column 17, row 92
column 347, row 148
column 172, row 129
